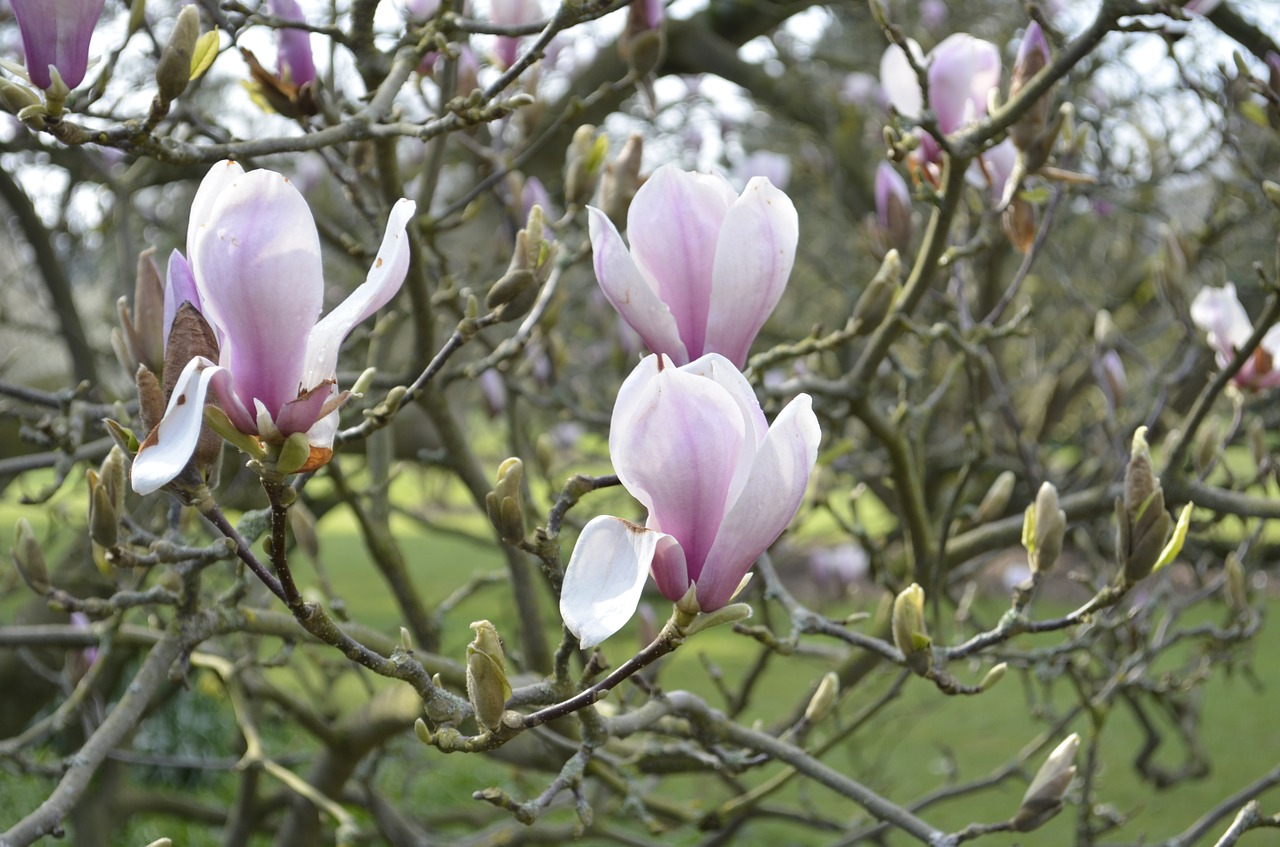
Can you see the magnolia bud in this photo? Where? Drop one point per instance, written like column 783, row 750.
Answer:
column 1143, row 524
column 1235, row 584
column 150, row 398
column 877, row 298
column 14, row 98
column 512, row 295
column 503, row 504
column 1050, row 525
column 104, row 517
column 824, row 698
column 1044, row 796
column 487, row 686
column 1033, row 55
column 1019, row 221
column 173, row 71
column 993, row 676
column 29, row 558
column 996, row 499
column 295, row 452
column 583, row 164
column 1257, row 434
column 1105, row 332
column 1208, row 440
column 909, row 632
column 621, row 181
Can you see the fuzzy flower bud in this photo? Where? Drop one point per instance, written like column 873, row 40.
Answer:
column 487, row 686
column 996, row 499
column 909, row 633
column 877, row 298
column 1033, row 56
column 1044, row 796
column 583, row 164
column 1043, row 528
column 503, row 503
column 173, row 71
column 823, row 699
column 29, row 558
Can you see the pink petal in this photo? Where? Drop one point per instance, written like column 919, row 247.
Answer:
column 962, row 70
column 295, row 62
column 721, row 371
column 754, row 255
column 629, row 292
column 677, row 452
column 179, row 288
column 57, row 33
column 674, row 225
column 166, row 451
column 604, row 577
column 256, row 259
column 769, row 501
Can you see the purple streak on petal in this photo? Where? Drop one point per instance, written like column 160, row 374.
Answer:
column 670, row 569
column 57, row 32
column 179, row 288
column 722, row 372
column 769, row 501
column 674, row 224
column 630, row 292
column 295, row 61
column 680, row 447
column 257, row 263
column 889, row 183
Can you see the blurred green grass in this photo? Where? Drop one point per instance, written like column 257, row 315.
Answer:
column 921, row 742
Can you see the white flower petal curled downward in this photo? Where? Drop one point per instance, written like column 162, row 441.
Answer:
column 605, row 575
column 166, row 451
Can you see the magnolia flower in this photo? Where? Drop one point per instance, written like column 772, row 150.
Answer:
column 512, row 13
column 706, row 266
column 962, row 72
column 55, row 34
column 720, row 485
column 255, row 267
column 294, row 62
column 1218, row 312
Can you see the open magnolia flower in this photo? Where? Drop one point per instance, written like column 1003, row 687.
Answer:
column 720, row 484
column 962, row 72
column 256, row 270
column 1218, row 312
column 706, row 266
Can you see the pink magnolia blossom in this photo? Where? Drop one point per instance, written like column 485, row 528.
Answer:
column 294, row 63
column 512, row 13
column 962, row 71
column 255, row 267
column 692, row 445
column 706, row 266
column 1217, row 311
column 891, row 188
column 56, row 33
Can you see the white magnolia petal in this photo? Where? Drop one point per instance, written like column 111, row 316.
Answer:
column 1217, row 311
column 722, row 372
column 382, row 283
column 167, row 449
column 218, row 178
column 899, row 81
column 605, row 576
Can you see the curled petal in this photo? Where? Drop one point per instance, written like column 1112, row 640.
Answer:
column 754, row 255
column 605, row 575
column 769, row 501
column 629, row 292
column 382, row 283
column 167, row 449
column 674, row 225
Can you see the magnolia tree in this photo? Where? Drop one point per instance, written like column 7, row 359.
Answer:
column 973, row 306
